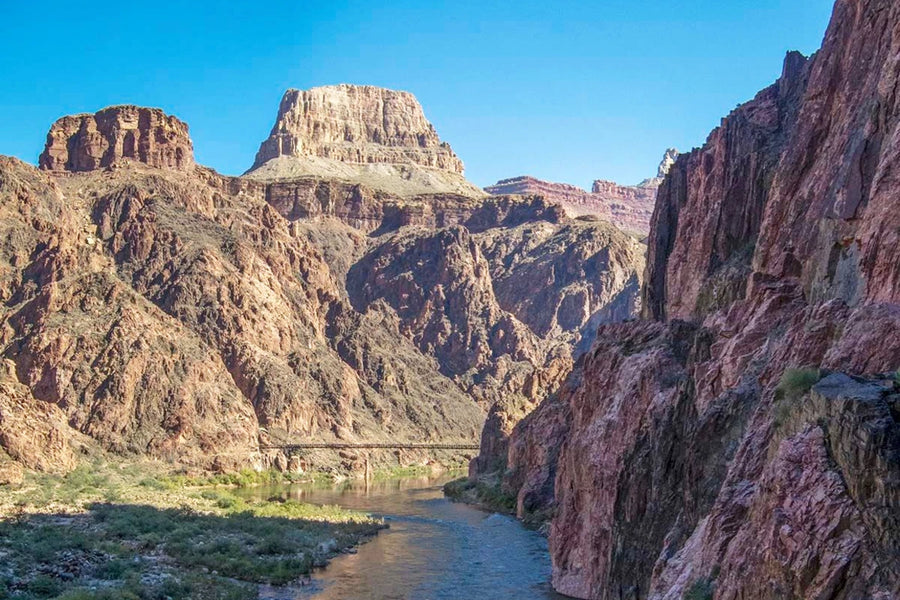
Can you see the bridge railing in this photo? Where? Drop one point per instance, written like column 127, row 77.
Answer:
column 370, row 446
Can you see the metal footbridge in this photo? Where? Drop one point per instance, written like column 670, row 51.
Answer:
column 370, row 446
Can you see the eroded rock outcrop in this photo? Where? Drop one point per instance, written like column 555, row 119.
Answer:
column 742, row 441
column 365, row 135
column 627, row 207
column 154, row 307
column 377, row 212
column 87, row 142
column 356, row 124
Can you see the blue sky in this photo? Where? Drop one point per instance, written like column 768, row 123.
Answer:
column 563, row 90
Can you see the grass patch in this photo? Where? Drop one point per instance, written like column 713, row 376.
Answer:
column 105, row 531
column 792, row 386
column 398, row 472
column 241, row 479
column 487, row 495
column 796, row 382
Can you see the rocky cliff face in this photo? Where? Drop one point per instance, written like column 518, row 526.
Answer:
column 158, row 308
column 710, row 208
column 627, row 207
column 742, row 440
column 364, row 135
column 356, row 124
column 89, row 142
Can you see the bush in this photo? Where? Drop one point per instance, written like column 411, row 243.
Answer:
column 489, row 495
column 702, row 589
column 43, row 586
column 796, row 382
column 793, row 385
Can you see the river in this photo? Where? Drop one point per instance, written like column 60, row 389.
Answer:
column 434, row 549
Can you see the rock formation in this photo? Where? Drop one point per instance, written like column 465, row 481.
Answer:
column 665, row 165
column 356, row 124
column 153, row 307
column 87, row 142
column 627, row 207
column 742, row 441
column 361, row 134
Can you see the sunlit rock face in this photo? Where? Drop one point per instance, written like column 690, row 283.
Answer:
column 366, row 135
column 356, row 124
column 92, row 141
column 628, row 207
column 153, row 307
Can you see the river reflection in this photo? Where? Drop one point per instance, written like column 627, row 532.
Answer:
column 434, row 549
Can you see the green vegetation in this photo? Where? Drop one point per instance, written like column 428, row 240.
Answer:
column 794, row 383
column 106, row 531
column 244, row 478
column 397, row 472
column 702, row 589
column 486, row 494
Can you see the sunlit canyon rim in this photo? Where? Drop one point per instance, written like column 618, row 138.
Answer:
column 697, row 402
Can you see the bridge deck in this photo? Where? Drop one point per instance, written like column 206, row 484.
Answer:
column 371, row 446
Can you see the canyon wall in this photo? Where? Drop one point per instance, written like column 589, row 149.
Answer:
column 152, row 307
column 362, row 135
column 742, row 441
column 628, row 207
column 87, row 142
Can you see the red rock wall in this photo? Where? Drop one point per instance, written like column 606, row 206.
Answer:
column 627, row 207
column 88, row 142
column 693, row 460
column 710, row 207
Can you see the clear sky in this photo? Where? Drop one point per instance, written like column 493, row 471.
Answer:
column 564, row 90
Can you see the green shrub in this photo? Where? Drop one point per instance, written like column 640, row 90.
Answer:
column 456, row 488
column 496, row 499
column 702, row 589
column 796, row 382
column 44, row 586
column 103, row 594
column 793, row 385
column 115, row 569
column 489, row 495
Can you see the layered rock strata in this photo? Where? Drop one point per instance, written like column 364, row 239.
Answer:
column 159, row 309
column 88, row 142
column 627, row 207
column 356, row 124
column 360, row 134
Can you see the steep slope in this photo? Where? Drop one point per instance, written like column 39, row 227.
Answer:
column 172, row 312
column 92, row 356
column 743, row 440
column 154, row 307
